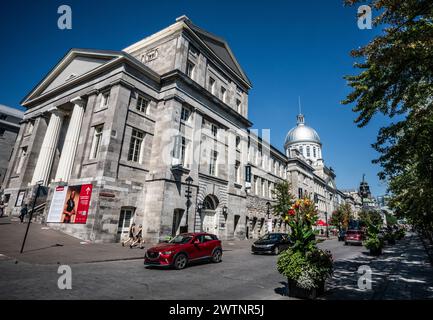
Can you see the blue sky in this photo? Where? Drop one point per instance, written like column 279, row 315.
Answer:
column 287, row 48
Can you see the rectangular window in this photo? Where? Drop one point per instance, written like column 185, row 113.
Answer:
column 238, row 172
column 263, row 188
column 142, row 104
column 238, row 143
column 151, row 55
column 23, row 155
column 105, row 99
column 183, row 146
column 190, row 68
column 256, row 185
column 184, row 115
column 214, row 130
column 314, row 152
column 213, row 163
column 96, row 142
column 308, row 151
column 135, row 146
column 212, row 85
column 238, row 106
column 300, row 193
column 223, row 94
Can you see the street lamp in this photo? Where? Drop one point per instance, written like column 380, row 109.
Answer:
column 39, row 183
column 326, row 222
column 268, row 207
column 188, row 196
column 199, row 208
column 225, row 212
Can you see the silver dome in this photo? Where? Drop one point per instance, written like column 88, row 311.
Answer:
column 301, row 133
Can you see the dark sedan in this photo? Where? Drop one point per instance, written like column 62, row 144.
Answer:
column 271, row 243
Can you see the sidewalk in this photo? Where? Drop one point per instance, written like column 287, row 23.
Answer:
column 48, row 246
column 402, row 272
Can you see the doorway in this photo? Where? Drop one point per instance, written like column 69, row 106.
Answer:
column 209, row 216
column 177, row 219
column 125, row 221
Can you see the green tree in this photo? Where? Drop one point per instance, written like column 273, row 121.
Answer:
column 342, row 216
column 370, row 218
column 283, row 198
column 396, row 80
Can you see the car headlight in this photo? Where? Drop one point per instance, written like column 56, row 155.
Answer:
column 166, row 253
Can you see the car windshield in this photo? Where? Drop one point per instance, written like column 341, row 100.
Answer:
column 181, row 239
column 270, row 236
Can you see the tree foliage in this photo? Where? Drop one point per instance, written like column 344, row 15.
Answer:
column 396, row 80
column 341, row 217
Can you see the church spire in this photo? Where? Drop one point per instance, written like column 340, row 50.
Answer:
column 300, row 117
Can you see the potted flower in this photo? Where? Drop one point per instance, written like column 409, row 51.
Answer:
column 390, row 237
column 305, row 266
column 374, row 244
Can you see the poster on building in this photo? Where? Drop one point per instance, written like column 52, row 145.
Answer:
column 56, row 208
column 70, row 204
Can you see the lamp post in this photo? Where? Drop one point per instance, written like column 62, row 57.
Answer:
column 268, row 216
column 225, row 212
column 199, row 208
column 39, row 183
column 188, row 196
column 326, row 222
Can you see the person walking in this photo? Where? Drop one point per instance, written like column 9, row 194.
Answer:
column 138, row 238
column 23, row 212
column 2, row 208
column 131, row 237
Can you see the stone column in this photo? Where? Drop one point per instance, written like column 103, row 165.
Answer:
column 71, row 141
column 48, row 148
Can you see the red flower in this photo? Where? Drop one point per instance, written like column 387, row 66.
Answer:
column 291, row 212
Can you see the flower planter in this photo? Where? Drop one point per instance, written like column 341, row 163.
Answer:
column 297, row 292
column 376, row 252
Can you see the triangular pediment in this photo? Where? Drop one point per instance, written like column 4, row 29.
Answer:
column 221, row 49
column 74, row 65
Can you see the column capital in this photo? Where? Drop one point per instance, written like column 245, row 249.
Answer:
column 57, row 111
column 78, row 101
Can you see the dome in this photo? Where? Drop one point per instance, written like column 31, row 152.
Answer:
column 301, row 133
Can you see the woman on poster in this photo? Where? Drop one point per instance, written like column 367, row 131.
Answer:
column 69, row 211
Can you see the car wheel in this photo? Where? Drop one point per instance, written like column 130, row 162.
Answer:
column 276, row 250
column 217, row 256
column 180, row 261
column 345, row 243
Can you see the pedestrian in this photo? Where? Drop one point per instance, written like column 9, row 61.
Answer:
column 2, row 208
column 23, row 212
column 138, row 238
column 131, row 237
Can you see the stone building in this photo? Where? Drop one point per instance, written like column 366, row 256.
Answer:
column 160, row 131
column 9, row 127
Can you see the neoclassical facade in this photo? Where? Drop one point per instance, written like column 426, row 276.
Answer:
column 161, row 132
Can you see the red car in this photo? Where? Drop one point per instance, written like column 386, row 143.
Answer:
column 184, row 248
column 354, row 237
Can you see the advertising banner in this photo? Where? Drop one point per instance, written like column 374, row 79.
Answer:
column 70, row 204
column 56, row 208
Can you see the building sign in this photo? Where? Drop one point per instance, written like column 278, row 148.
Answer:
column 70, row 204
column 20, row 198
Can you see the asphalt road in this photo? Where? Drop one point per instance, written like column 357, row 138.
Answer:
column 240, row 275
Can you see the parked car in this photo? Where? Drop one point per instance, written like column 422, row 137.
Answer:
column 341, row 235
column 354, row 237
column 185, row 248
column 271, row 243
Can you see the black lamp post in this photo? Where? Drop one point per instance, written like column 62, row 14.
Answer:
column 31, row 214
column 268, row 207
column 188, row 196
column 199, row 208
column 326, row 222
column 225, row 212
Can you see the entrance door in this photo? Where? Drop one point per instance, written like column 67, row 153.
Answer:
column 177, row 218
column 125, row 221
column 209, row 221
